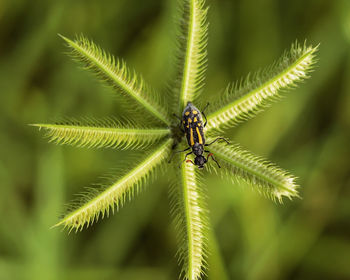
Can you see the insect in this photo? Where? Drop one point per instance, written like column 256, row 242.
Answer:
column 193, row 128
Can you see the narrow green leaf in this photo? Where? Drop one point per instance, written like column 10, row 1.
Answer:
column 244, row 100
column 116, row 73
column 103, row 134
column 262, row 175
column 192, row 56
column 95, row 205
column 190, row 214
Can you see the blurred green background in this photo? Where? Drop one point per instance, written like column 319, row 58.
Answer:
column 308, row 133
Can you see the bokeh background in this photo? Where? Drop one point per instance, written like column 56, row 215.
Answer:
column 307, row 133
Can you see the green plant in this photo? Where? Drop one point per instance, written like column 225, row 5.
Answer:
column 239, row 102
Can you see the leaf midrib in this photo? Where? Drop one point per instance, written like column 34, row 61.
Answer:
column 155, row 131
column 258, row 89
column 189, row 218
column 188, row 57
column 119, row 81
column 122, row 181
column 250, row 170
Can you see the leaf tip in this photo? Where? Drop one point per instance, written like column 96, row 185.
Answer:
column 38, row 125
column 56, row 225
column 67, row 40
column 289, row 190
column 63, row 37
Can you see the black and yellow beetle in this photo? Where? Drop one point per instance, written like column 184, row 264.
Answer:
column 193, row 128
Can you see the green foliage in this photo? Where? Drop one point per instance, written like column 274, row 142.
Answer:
column 116, row 73
column 245, row 99
column 189, row 210
column 94, row 204
column 261, row 174
column 105, row 133
column 240, row 102
column 192, row 53
column 250, row 237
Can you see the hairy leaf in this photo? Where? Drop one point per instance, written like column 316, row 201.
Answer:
column 107, row 133
column 192, row 55
column 116, row 73
column 190, row 214
column 244, row 100
column 241, row 101
column 94, row 205
column 262, row 175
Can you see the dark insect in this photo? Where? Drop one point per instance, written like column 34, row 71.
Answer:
column 193, row 128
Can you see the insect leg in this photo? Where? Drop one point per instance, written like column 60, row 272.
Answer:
column 185, row 158
column 211, row 155
column 178, row 152
column 206, row 106
column 187, row 155
column 206, row 121
column 219, row 138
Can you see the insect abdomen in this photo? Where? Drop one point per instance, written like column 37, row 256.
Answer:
column 193, row 125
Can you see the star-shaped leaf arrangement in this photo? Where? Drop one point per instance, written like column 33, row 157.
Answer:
column 162, row 136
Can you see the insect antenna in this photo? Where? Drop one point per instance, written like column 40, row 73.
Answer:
column 177, row 153
column 206, row 121
column 219, row 138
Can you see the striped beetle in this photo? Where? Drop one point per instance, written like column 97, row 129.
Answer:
column 193, row 128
